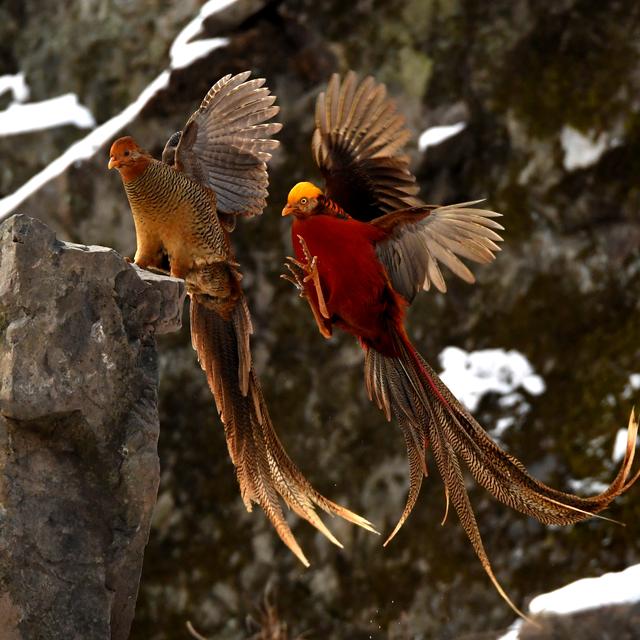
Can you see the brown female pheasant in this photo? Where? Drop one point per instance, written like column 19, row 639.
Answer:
column 185, row 208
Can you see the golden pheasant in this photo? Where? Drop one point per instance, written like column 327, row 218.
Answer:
column 364, row 248
column 185, row 207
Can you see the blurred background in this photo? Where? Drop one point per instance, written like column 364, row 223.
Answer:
column 547, row 103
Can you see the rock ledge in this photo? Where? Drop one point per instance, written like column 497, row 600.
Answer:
column 79, row 427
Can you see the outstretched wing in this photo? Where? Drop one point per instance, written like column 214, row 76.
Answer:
column 420, row 238
column 358, row 146
column 226, row 143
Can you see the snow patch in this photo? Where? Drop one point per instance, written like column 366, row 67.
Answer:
column 587, row 486
column 513, row 632
column 621, row 587
column 55, row 112
column 183, row 52
column 434, row 136
column 17, row 85
column 620, row 445
column 471, row 375
column 610, row 589
column 84, row 148
column 502, row 424
column 583, row 150
column 632, row 385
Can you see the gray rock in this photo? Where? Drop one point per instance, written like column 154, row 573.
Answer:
column 79, row 426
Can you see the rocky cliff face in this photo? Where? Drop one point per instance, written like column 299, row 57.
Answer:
column 535, row 85
column 79, row 427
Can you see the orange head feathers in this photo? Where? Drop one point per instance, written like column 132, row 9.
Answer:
column 302, row 200
column 128, row 158
column 306, row 200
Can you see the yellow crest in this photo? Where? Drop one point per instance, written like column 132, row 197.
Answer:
column 303, row 190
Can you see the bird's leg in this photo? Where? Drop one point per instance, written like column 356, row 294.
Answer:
column 323, row 325
column 144, row 261
column 179, row 270
column 149, row 250
column 147, row 267
column 297, row 279
column 160, row 271
column 311, row 268
column 180, row 264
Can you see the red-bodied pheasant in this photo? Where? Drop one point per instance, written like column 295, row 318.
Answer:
column 365, row 246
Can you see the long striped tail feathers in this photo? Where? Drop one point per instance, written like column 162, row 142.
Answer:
column 429, row 415
column 264, row 470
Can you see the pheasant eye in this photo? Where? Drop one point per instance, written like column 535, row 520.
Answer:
column 126, row 153
column 303, row 200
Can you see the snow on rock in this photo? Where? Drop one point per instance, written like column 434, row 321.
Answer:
column 632, row 386
column 621, row 587
column 84, row 148
column 55, row 112
column 513, row 632
column 183, row 52
column 583, row 150
column 17, row 85
column 620, row 445
column 502, row 425
column 630, row 392
column 433, row 136
column 610, row 589
column 471, row 375
column 587, row 486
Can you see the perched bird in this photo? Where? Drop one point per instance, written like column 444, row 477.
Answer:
column 185, row 207
column 365, row 246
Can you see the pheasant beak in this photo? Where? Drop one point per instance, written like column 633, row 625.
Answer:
column 113, row 163
column 288, row 210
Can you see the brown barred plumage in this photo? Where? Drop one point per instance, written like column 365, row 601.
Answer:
column 185, row 207
column 407, row 388
column 174, row 214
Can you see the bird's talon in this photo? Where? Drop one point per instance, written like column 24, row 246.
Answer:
column 294, row 282
column 294, row 278
column 295, row 262
column 312, row 275
column 305, row 248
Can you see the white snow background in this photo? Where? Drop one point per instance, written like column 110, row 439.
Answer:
column 436, row 135
column 21, row 117
column 622, row 587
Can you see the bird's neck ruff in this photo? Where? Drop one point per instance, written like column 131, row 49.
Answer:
column 153, row 183
column 328, row 207
column 140, row 183
column 134, row 170
column 159, row 191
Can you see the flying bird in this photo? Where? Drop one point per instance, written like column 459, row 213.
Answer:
column 364, row 247
column 184, row 208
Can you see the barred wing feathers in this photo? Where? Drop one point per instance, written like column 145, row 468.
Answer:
column 421, row 238
column 227, row 142
column 357, row 144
